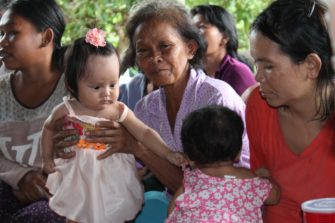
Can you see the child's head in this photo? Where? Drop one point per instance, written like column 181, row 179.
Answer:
column 212, row 134
column 92, row 71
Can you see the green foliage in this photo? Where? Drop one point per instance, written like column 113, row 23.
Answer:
column 111, row 16
column 108, row 15
column 244, row 12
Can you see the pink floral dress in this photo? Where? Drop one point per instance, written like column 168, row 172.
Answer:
column 214, row 199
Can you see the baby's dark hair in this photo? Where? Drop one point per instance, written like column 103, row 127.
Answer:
column 212, row 134
column 76, row 61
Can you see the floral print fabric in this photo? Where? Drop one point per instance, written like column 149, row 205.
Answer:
column 214, row 199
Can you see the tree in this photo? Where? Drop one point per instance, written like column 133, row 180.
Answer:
column 111, row 16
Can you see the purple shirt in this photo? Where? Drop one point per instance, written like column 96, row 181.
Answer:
column 236, row 74
column 201, row 91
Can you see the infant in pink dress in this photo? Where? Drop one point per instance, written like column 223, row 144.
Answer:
column 214, row 190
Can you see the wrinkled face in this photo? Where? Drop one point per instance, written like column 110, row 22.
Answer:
column 161, row 53
column 282, row 82
column 20, row 42
column 99, row 87
column 211, row 34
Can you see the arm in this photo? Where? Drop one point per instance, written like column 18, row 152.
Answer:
column 150, row 138
column 122, row 141
column 47, row 147
column 47, row 143
column 12, row 172
column 173, row 200
column 169, row 175
column 274, row 195
column 28, row 184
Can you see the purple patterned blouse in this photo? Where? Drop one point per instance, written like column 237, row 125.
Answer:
column 201, row 91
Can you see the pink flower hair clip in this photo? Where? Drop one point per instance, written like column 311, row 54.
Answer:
column 96, row 37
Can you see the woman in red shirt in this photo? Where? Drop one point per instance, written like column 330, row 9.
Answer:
column 290, row 116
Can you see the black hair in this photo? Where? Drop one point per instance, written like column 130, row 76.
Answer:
column 299, row 28
column 212, row 134
column 44, row 14
column 225, row 22
column 77, row 57
column 170, row 11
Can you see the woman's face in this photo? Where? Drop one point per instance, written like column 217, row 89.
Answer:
column 282, row 82
column 20, row 42
column 214, row 38
column 161, row 53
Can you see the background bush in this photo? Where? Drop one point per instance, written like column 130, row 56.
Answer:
column 111, row 16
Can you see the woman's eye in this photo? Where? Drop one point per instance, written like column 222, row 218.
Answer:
column 141, row 51
column 268, row 68
column 164, row 46
column 96, row 87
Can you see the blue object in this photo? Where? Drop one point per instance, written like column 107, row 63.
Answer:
column 154, row 209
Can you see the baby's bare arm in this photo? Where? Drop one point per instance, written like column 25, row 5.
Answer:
column 147, row 136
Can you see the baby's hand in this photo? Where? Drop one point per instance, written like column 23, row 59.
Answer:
column 48, row 166
column 176, row 158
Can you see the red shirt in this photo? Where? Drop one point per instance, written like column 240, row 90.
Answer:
column 301, row 177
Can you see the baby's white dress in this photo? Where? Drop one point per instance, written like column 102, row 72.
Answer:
column 88, row 190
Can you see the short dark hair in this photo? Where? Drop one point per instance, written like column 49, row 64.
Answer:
column 77, row 58
column 212, row 134
column 44, row 14
column 170, row 11
column 299, row 28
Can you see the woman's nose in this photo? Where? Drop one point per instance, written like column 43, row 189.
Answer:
column 259, row 77
column 156, row 57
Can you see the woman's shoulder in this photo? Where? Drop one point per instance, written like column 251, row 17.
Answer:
column 150, row 100
column 205, row 83
column 5, row 83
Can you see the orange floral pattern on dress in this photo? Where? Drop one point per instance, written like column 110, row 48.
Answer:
column 83, row 127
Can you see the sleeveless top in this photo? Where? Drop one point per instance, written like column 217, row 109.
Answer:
column 89, row 190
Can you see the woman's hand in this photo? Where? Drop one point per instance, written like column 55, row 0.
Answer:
column 64, row 138
column 32, row 188
column 114, row 134
column 263, row 172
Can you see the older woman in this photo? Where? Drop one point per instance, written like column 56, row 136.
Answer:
column 167, row 48
column 290, row 117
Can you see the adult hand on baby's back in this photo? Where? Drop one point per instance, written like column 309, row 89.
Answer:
column 64, row 138
column 32, row 187
column 263, row 172
column 113, row 134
